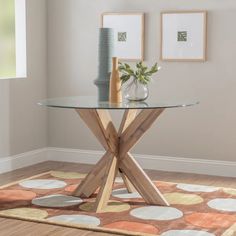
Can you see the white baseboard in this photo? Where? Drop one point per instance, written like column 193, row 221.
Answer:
column 164, row 163
column 11, row 163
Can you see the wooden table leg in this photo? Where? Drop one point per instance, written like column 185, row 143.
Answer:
column 100, row 123
column 128, row 117
column 142, row 182
column 117, row 156
column 137, row 129
column 107, row 184
column 129, row 186
column 94, row 179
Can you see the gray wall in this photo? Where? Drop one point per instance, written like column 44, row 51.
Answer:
column 205, row 131
column 23, row 124
column 4, row 119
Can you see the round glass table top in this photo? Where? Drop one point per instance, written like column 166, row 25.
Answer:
column 86, row 102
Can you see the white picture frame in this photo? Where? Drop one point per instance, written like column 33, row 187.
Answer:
column 129, row 34
column 183, row 36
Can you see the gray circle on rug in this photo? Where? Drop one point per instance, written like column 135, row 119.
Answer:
column 197, row 188
column 43, row 184
column 57, row 200
column 156, row 213
column 76, row 219
column 186, row 233
column 223, row 204
column 123, row 193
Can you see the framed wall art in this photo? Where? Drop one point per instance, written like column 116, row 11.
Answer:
column 183, row 36
column 129, row 34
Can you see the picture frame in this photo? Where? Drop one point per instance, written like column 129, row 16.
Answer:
column 184, row 36
column 129, row 34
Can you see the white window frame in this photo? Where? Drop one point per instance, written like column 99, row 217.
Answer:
column 20, row 40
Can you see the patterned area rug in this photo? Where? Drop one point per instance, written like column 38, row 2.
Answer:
column 195, row 210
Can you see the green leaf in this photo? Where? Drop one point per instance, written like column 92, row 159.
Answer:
column 142, row 73
column 127, row 66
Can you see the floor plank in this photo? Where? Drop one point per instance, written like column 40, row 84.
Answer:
column 10, row 227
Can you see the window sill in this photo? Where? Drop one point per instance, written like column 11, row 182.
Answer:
column 10, row 78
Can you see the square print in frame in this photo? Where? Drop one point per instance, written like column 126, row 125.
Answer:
column 129, row 34
column 183, row 36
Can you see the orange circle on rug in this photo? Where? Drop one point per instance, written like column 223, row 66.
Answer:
column 163, row 184
column 133, row 226
column 71, row 188
column 16, row 195
column 211, row 220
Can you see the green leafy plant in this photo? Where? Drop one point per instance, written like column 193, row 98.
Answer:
column 141, row 74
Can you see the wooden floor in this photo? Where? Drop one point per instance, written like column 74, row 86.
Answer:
column 17, row 228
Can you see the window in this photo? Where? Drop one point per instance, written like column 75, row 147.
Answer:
column 12, row 39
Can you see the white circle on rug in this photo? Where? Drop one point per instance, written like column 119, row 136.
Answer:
column 123, row 193
column 186, row 233
column 197, row 188
column 156, row 213
column 76, row 219
column 119, row 180
column 223, row 204
column 43, row 184
column 57, row 200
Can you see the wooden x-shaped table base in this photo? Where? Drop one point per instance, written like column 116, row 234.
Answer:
column 117, row 157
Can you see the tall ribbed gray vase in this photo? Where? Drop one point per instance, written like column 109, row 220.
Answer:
column 105, row 54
